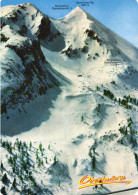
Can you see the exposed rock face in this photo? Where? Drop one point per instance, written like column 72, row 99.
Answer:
column 25, row 72
column 44, row 28
column 28, row 88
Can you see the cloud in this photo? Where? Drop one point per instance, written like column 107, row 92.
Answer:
column 137, row 1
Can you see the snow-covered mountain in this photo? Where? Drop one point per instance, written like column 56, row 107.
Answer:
column 25, row 72
column 72, row 85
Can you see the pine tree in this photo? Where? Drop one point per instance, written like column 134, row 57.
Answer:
column 14, row 183
column 42, row 152
column 39, row 163
column 40, row 147
column 126, row 131
column 3, row 191
column 30, row 146
column 20, row 177
column 82, row 118
column 93, row 162
column 13, row 169
column 22, row 158
column 46, row 159
column 55, row 159
column 119, row 101
column 10, row 160
column 49, row 147
column 96, row 187
column 42, row 163
column 4, row 178
column 2, row 165
column 98, row 88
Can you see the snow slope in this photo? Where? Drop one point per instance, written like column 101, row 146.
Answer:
column 84, row 122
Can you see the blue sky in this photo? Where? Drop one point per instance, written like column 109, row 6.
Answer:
column 121, row 16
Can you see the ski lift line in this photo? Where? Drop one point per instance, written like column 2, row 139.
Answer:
column 135, row 188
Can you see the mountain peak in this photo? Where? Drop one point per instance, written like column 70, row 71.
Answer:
column 77, row 12
column 78, row 9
